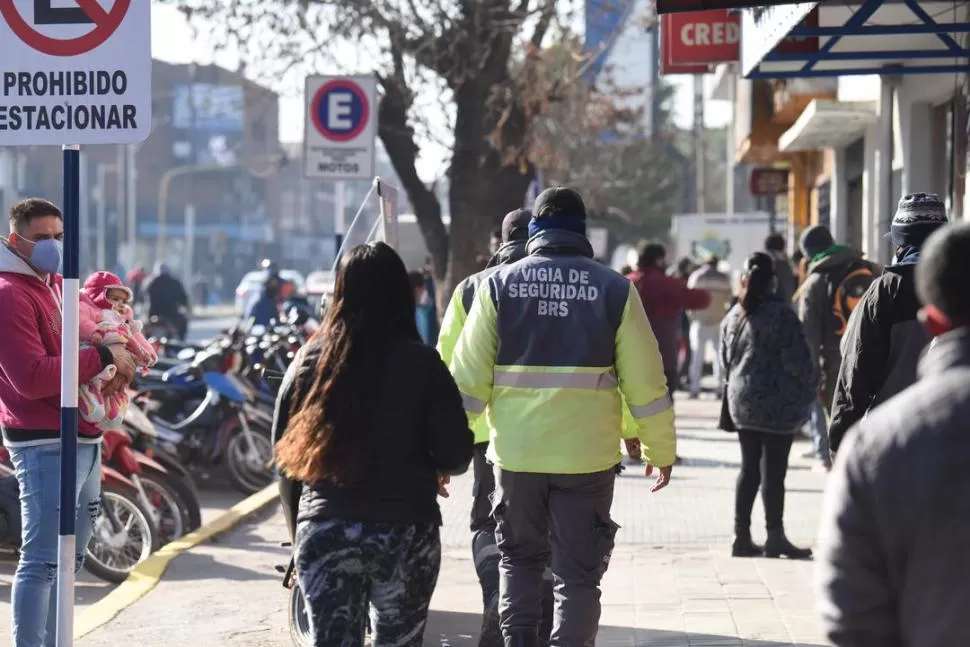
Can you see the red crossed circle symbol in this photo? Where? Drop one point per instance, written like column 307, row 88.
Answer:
column 106, row 23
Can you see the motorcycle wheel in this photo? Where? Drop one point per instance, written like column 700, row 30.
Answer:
column 111, row 555
column 250, row 473
column 299, row 619
column 177, row 506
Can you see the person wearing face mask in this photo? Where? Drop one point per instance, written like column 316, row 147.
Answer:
column 30, row 405
column 883, row 343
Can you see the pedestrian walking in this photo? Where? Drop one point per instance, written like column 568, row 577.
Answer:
column 705, row 324
column 368, row 521
column 893, row 563
column 664, row 299
column 485, row 555
column 167, row 299
column 836, row 278
column 550, row 344
column 884, row 340
column 770, row 386
column 30, row 412
column 424, row 316
column 776, row 247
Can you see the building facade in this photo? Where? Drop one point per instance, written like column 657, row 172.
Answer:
column 877, row 111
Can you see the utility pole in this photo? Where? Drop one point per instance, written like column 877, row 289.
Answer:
column 131, row 226
column 121, row 166
column 699, row 156
column 189, row 220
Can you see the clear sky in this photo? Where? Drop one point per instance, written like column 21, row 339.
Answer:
column 172, row 41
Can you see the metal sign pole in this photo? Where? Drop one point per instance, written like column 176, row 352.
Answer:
column 340, row 217
column 66, row 549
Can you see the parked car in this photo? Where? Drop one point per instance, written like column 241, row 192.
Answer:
column 252, row 283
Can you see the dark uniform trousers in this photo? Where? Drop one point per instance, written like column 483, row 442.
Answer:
column 567, row 517
column 486, row 556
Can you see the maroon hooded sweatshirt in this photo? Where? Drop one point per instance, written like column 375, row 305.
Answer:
column 30, row 356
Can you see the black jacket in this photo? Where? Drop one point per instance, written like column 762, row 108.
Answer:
column 881, row 349
column 418, row 428
column 166, row 295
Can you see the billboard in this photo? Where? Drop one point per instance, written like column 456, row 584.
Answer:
column 217, row 108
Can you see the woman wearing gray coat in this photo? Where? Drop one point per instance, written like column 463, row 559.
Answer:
column 771, row 385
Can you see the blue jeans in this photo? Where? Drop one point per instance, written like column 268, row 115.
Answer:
column 820, row 433
column 34, row 599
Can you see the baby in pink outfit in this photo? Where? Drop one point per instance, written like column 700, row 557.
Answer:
column 106, row 318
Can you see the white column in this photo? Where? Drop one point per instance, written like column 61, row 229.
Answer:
column 869, row 187
column 915, row 141
column 839, row 197
column 883, row 168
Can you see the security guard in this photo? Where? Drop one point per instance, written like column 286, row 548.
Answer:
column 515, row 234
column 553, row 345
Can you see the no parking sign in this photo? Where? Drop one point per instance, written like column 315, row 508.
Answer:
column 75, row 74
column 341, row 125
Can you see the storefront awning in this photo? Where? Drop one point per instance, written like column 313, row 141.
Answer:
column 828, row 124
column 869, row 37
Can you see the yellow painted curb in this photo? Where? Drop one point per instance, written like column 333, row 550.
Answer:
column 146, row 575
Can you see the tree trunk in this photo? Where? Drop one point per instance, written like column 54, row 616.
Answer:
column 398, row 139
column 483, row 186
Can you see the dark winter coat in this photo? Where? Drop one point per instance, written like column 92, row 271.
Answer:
column 892, row 558
column 786, row 277
column 815, row 309
column 880, row 349
column 771, row 381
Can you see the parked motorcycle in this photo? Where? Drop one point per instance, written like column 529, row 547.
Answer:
column 216, row 432
column 123, row 534
column 215, row 410
column 174, row 504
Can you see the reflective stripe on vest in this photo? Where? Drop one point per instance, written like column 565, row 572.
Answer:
column 652, row 408
column 474, row 405
column 546, row 380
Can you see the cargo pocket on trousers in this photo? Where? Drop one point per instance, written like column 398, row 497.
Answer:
column 503, row 536
column 604, row 533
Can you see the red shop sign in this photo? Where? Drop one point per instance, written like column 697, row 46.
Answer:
column 667, row 67
column 714, row 36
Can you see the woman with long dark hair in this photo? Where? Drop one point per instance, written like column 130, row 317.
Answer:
column 770, row 386
column 370, row 421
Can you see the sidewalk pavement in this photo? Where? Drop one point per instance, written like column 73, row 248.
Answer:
column 671, row 582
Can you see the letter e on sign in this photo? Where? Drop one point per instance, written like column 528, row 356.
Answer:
column 340, row 127
column 704, row 37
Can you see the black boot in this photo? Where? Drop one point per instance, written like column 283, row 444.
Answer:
column 743, row 545
column 521, row 638
column 778, row 545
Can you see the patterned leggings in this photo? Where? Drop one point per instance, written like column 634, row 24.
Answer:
column 343, row 565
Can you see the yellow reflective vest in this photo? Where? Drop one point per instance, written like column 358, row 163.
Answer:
column 552, row 348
